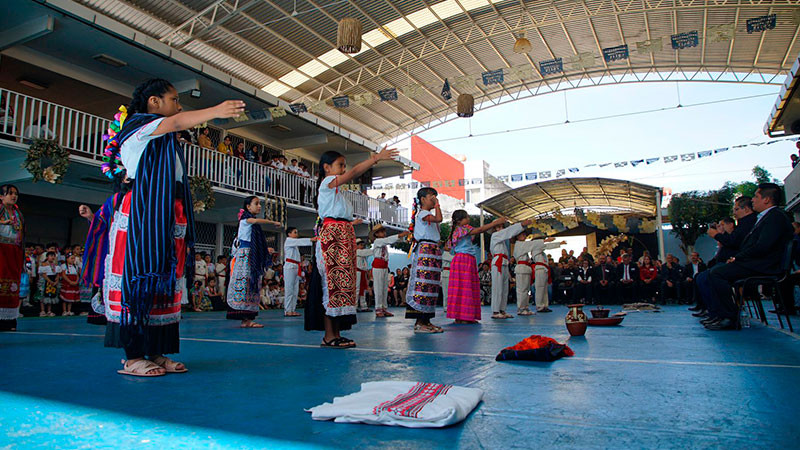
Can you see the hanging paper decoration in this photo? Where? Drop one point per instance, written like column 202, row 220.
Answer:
column 617, row 53
column 720, row 150
column 721, row 33
column 342, row 101
column 463, row 83
column 669, row 159
column 605, row 164
column 414, row 185
column 412, row 90
column 517, row 177
column 318, row 107
column 530, row 176
column 761, row 23
column 388, row 95
column 462, row 182
column 581, row 61
column 363, row 99
column 650, row 45
column 503, row 178
column 551, row 66
column 446, row 95
column 277, row 112
column 241, row 118
column 298, row 108
column 620, row 164
column 651, row 160
column 637, row 162
column 477, row 181
column 560, row 173
column 261, row 114
column 687, row 157
column 521, row 72
column 706, row 153
column 492, row 77
column 573, row 170
column 545, row 174
column 684, row 40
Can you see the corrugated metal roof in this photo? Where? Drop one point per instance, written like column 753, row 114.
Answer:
column 261, row 42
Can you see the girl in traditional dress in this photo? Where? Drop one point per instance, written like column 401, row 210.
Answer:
column 70, row 284
column 332, row 297
column 464, row 295
column 12, row 234
column 426, row 263
column 96, row 248
column 49, row 273
column 153, row 230
column 251, row 258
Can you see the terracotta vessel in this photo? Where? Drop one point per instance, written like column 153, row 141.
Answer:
column 576, row 320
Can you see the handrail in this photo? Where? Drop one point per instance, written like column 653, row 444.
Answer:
column 81, row 133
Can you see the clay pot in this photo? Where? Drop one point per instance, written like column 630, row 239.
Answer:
column 599, row 313
column 576, row 320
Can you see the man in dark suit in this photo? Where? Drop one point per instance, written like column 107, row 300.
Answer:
column 731, row 240
column 690, row 273
column 627, row 280
column 760, row 253
column 671, row 276
column 605, row 273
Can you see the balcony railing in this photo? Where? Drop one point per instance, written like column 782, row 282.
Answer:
column 82, row 133
column 791, row 188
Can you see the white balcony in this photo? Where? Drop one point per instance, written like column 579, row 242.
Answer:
column 81, row 133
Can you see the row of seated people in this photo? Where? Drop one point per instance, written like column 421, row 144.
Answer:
column 609, row 281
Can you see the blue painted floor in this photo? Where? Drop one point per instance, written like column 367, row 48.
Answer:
column 658, row 381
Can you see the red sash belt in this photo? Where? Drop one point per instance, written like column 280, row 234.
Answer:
column 549, row 272
column 364, row 284
column 380, row 263
column 498, row 261
column 529, row 264
column 299, row 269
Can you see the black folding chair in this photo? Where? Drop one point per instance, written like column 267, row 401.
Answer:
column 741, row 287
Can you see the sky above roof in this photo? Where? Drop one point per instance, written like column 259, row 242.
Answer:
column 628, row 137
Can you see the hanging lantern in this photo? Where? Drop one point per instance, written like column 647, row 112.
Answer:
column 348, row 39
column 522, row 45
column 466, row 105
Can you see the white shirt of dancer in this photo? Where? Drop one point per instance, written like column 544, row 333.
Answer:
column 539, row 246
column 424, row 230
column 362, row 256
column 134, row 146
column 498, row 241
column 379, row 249
column 291, row 248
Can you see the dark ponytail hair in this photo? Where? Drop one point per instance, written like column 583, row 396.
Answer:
column 328, row 157
column 423, row 192
column 154, row 87
column 458, row 216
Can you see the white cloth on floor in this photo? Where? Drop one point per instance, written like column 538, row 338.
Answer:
column 402, row 403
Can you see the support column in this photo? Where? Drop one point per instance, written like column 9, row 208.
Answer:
column 483, row 252
column 220, row 232
column 659, row 226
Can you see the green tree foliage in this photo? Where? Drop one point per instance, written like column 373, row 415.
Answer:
column 691, row 212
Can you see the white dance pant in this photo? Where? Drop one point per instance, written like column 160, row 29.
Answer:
column 445, row 283
column 540, row 285
column 499, row 288
column 380, row 285
column 523, row 287
column 362, row 299
column 291, row 284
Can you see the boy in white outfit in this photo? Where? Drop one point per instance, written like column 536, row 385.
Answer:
column 541, row 270
column 362, row 274
column 380, row 266
column 499, row 248
column 292, row 269
column 524, row 272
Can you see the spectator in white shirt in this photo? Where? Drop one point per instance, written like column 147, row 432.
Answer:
column 200, row 269
column 38, row 130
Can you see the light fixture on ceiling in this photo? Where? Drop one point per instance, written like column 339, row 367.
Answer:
column 39, row 86
column 348, row 38
column 281, row 128
column 522, row 44
column 109, row 60
column 294, row 10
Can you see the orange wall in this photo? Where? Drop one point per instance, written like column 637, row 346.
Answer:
column 436, row 166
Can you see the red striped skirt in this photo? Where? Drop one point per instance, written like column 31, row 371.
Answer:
column 464, row 289
column 70, row 293
column 115, row 262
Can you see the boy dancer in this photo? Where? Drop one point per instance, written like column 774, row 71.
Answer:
column 500, row 250
column 380, row 266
